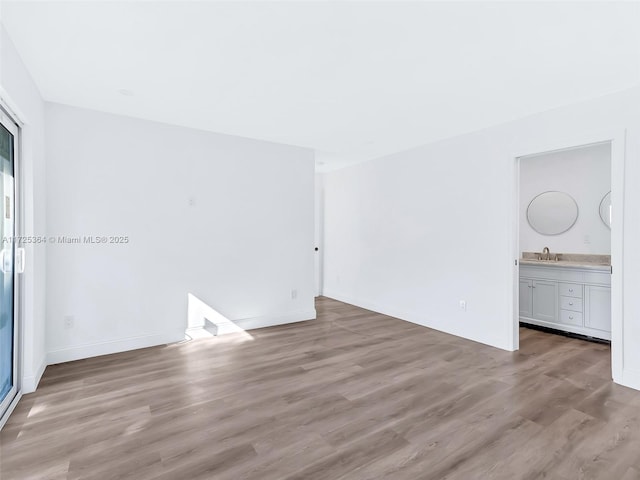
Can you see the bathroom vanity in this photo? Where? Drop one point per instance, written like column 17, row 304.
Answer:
column 572, row 294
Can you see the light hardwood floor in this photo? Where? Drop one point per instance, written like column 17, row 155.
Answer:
column 352, row 395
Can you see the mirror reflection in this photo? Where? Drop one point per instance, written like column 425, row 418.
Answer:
column 552, row 213
column 605, row 210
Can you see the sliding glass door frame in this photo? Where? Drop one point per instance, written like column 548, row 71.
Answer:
column 10, row 401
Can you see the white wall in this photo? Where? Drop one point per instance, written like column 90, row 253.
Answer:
column 319, row 232
column 585, row 174
column 18, row 90
column 413, row 233
column 227, row 219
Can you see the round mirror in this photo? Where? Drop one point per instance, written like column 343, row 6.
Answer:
column 605, row 209
column 552, row 213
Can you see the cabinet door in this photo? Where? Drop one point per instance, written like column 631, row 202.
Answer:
column 525, row 297
column 598, row 308
column 545, row 300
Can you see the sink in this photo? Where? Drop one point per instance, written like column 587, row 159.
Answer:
column 598, row 262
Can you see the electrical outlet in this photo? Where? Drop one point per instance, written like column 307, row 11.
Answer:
column 69, row 321
column 463, row 305
column 294, row 294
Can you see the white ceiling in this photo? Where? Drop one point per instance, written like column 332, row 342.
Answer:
column 353, row 80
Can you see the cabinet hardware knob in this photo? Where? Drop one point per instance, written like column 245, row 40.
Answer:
column 571, row 289
column 570, row 317
column 570, row 303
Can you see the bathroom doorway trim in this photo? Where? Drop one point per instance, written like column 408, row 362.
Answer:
column 617, row 141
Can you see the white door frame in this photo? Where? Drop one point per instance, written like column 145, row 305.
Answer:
column 617, row 140
column 10, row 122
column 318, row 253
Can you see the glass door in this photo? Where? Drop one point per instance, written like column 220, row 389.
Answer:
column 8, row 330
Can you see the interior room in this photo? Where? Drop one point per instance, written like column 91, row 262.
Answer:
column 565, row 204
column 319, row 240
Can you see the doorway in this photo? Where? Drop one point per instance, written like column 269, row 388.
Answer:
column 9, row 291
column 570, row 299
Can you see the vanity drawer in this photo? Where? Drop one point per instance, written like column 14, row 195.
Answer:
column 571, row 303
column 570, row 318
column 570, row 289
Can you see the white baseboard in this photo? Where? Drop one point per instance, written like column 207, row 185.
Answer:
column 630, row 378
column 273, row 320
column 367, row 305
column 251, row 323
column 30, row 382
column 115, row 346
column 133, row 343
column 411, row 317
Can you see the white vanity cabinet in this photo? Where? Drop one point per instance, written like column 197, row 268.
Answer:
column 538, row 299
column 571, row 299
column 598, row 305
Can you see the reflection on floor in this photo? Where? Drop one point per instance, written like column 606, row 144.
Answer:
column 352, row 395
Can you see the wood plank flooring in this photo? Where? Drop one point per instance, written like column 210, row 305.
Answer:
column 352, row 395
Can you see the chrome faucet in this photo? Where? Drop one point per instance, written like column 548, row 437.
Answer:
column 545, row 251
